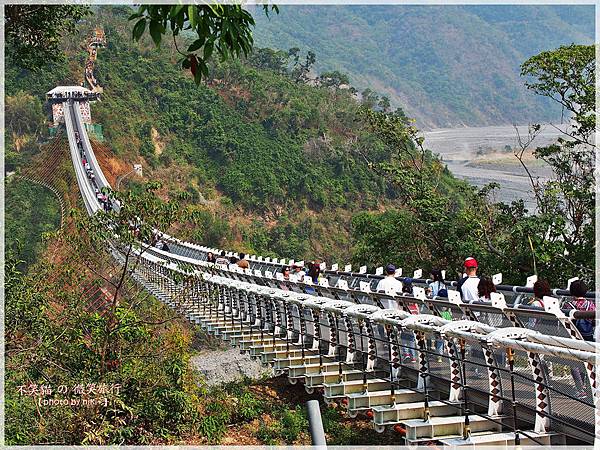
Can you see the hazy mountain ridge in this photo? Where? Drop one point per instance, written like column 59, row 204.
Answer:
column 416, row 54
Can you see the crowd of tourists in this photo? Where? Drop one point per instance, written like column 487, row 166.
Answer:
column 102, row 198
column 473, row 288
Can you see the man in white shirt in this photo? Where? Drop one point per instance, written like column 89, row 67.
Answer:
column 391, row 286
column 468, row 285
column 299, row 271
column 222, row 260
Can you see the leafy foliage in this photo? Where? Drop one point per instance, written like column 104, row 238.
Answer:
column 31, row 212
column 452, row 220
column 227, row 142
column 23, row 115
column 334, row 79
column 567, row 200
column 567, row 75
column 75, row 323
column 225, row 28
column 34, row 32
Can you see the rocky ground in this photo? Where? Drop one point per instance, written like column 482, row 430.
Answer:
column 274, row 410
column 224, row 366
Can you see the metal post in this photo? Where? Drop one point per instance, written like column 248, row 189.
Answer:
column 391, row 357
column 467, row 427
column 302, row 331
column 289, row 324
column 339, row 343
column 317, row 326
column 315, row 424
column 511, row 364
column 363, row 355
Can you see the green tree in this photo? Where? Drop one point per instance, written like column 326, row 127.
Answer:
column 384, row 103
column 300, row 71
column 79, row 318
column 383, row 238
column 333, row 79
column 25, row 120
column 369, row 98
column 23, row 114
column 34, row 33
column 567, row 76
column 224, row 28
column 294, row 53
column 453, row 220
column 269, row 59
column 130, row 232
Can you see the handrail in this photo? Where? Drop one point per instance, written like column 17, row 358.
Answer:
column 162, row 265
column 87, row 146
column 340, row 308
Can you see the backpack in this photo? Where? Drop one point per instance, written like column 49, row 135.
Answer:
column 446, row 315
column 585, row 326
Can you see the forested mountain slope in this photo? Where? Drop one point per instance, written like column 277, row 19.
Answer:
column 269, row 163
column 445, row 65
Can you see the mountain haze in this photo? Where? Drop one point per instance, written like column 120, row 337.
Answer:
column 445, row 66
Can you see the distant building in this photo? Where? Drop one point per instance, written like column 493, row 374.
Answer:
column 57, row 95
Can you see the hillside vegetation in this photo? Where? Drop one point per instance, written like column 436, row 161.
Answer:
column 445, row 65
column 256, row 158
column 273, row 163
column 270, row 163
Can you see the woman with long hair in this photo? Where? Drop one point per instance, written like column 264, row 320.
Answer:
column 485, row 288
column 437, row 284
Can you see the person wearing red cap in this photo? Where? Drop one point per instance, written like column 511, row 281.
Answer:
column 468, row 285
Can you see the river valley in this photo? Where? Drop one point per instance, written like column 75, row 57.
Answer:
column 483, row 155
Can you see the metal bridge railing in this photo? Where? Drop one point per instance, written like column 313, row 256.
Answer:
column 352, row 278
column 460, row 364
column 368, row 339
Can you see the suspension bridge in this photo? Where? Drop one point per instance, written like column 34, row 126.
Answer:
column 498, row 373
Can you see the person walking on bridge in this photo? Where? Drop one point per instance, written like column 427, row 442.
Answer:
column 541, row 288
column 578, row 290
column 315, row 271
column 438, row 288
column 468, row 285
column 243, row 263
column 222, row 259
column 298, row 271
column 389, row 285
column 437, row 285
column 586, row 328
column 485, row 287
